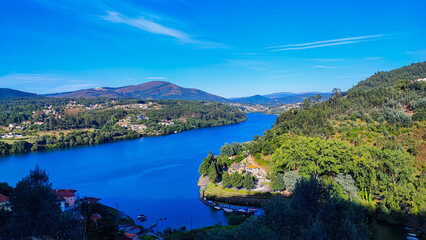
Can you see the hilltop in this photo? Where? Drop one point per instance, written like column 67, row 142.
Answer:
column 11, row 93
column 149, row 90
column 278, row 98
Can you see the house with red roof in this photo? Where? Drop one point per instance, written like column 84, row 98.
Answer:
column 66, row 197
column 3, row 201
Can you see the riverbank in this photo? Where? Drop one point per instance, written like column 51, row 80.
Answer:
column 41, row 141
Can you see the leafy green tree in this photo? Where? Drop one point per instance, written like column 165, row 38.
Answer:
column 291, row 178
column 5, row 189
column 277, row 183
column 36, row 211
column 348, row 184
column 227, row 150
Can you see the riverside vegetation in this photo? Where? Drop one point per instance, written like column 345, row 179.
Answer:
column 361, row 153
column 40, row 123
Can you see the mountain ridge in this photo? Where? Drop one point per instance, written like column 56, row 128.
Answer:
column 148, row 90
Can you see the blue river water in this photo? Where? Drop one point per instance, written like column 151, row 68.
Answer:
column 156, row 176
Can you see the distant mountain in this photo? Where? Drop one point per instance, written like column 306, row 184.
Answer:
column 11, row 93
column 277, row 98
column 388, row 79
column 256, row 99
column 149, row 90
column 287, row 94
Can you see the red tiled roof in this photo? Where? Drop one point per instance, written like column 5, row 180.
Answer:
column 93, row 199
column 130, row 235
column 3, row 198
column 66, row 192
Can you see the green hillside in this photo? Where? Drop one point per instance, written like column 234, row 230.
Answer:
column 367, row 146
column 389, row 79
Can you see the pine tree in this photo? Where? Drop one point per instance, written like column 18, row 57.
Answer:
column 213, row 175
column 226, row 180
column 248, row 182
column 236, row 180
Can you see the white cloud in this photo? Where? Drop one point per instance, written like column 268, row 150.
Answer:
column 44, row 83
column 157, row 78
column 325, row 43
column 73, row 87
column 155, row 28
column 373, row 58
column 324, row 66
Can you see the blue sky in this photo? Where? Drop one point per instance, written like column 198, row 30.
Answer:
column 229, row 48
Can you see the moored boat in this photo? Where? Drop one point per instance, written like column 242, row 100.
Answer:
column 229, row 210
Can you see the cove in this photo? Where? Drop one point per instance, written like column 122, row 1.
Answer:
column 156, row 176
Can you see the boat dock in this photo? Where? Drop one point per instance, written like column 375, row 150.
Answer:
column 228, row 209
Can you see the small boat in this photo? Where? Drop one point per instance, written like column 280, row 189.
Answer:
column 142, row 220
column 141, row 216
column 229, row 210
column 217, row 208
column 211, row 203
column 252, row 210
column 153, row 226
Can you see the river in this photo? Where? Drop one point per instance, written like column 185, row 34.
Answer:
column 156, row 176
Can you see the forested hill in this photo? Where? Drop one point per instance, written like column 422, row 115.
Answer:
column 367, row 145
column 11, row 93
column 375, row 134
column 390, row 78
column 149, row 90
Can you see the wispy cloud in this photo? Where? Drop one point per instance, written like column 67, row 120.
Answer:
column 73, row 87
column 44, row 83
column 373, row 58
column 155, row 28
column 327, row 59
column 320, row 66
column 325, row 43
column 249, row 64
column 287, row 76
column 157, row 78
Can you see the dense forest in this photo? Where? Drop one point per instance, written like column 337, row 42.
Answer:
column 74, row 122
column 367, row 144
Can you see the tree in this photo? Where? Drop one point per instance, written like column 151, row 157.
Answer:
column 36, row 211
column 226, row 180
column 213, row 175
column 348, row 184
column 227, row 150
column 248, row 182
column 5, row 189
column 291, row 178
column 205, row 165
column 278, row 183
column 236, row 180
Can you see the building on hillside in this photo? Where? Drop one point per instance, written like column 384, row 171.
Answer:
column 135, row 127
column 4, row 200
column 235, row 168
column 123, row 124
column 38, row 123
column 66, row 197
column 255, row 170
